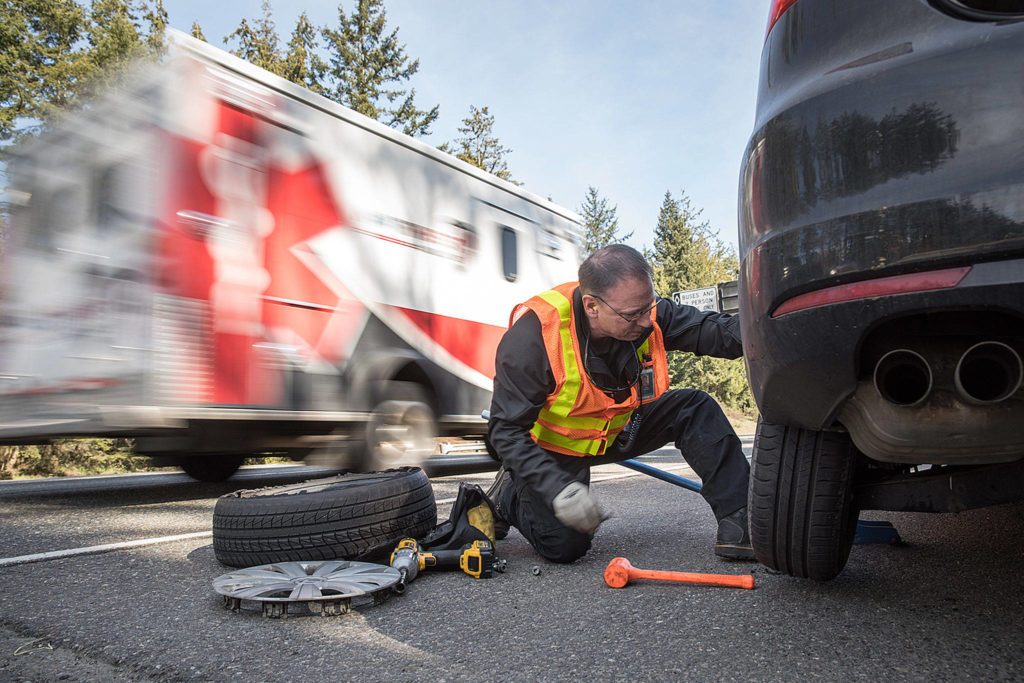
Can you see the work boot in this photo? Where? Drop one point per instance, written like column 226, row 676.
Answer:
column 498, row 493
column 733, row 541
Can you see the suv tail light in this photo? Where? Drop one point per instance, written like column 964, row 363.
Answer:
column 872, row 289
column 779, row 8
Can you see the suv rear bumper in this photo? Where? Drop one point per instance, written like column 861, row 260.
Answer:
column 833, row 379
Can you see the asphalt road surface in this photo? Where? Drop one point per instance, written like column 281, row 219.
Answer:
column 948, row 605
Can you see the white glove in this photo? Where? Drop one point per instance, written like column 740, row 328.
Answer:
column 576, row 508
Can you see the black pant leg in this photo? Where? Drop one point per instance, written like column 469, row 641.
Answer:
column 527, row 511
column 696, row 424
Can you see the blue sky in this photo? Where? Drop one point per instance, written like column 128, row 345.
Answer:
column 635, row 98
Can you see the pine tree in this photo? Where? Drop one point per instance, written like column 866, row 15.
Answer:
column 258, row 42
column 301, row 64
column 156, row 17
column 115, row 40
column 687, row 255
column 367, row 65
column 119, row 33
column 40, row 61
column 600, row 223
column 55, row 52
column 479, row 146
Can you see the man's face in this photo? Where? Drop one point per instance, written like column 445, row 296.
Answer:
column 630, row 298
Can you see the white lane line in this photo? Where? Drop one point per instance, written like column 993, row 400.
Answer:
column 92, row 550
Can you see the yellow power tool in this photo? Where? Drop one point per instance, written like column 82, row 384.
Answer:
column 476, row 559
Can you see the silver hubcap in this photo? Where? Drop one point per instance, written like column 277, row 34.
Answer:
column 306, row 581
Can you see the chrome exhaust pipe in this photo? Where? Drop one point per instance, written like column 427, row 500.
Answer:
column 988, row 372
column 903, row 377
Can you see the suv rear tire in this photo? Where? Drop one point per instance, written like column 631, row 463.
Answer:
column 801, row 512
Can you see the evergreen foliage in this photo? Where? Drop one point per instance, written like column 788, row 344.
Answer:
column 687, row 255
column 53, row 53
column 39, row 60
column 258, row 41
column 600, row 223
column 117, row 37
column 367, row 65
column 66, row 457
column 156, row 18
column 479, row 146
column 301, row 64
column 259, row 44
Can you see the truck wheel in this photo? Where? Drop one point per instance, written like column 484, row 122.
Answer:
column 346, row 517
column 401, row 429
column 801, row 512
column 210, row 467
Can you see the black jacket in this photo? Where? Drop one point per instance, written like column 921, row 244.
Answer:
column 523, row 380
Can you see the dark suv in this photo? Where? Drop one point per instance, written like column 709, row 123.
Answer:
column 882, row 282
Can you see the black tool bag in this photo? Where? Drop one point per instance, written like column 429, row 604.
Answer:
column 472, row 519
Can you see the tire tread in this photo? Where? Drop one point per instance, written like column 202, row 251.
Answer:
column 801, row 510
column 354, row 518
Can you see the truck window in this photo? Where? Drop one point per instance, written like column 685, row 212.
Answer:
column 105, row 197
column 466, row 242
column 47, row 210
column 548, row 244
column 509, row 259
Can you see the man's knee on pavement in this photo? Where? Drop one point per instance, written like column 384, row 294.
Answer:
column 564, row 547
column 564, row 554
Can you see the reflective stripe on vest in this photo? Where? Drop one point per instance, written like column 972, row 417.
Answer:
column 578, row 418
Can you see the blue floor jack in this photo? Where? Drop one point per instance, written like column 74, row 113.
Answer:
column 867, row 532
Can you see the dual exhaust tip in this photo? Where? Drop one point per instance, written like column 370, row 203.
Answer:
column 988, row 372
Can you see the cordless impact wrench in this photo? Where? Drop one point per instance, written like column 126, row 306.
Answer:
column 476, row 559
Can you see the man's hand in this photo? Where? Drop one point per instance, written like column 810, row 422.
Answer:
column 576, row 508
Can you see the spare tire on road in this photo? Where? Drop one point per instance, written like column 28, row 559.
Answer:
column 346, row 517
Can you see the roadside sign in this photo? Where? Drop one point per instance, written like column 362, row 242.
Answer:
column 704, row 299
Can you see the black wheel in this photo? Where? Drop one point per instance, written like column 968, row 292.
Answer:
column 346, row 517
column 210, row 467
column 801, row 511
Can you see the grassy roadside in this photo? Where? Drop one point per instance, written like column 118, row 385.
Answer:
column 71, row 457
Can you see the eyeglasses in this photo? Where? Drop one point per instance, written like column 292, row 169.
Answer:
column 636, row 316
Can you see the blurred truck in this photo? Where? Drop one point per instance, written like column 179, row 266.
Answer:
column 219, row 263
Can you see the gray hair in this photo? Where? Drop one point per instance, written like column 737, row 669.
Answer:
column 610, row 265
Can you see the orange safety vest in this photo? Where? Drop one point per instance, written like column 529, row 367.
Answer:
column 578, row 418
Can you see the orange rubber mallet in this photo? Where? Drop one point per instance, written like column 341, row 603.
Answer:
column 620, row 572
